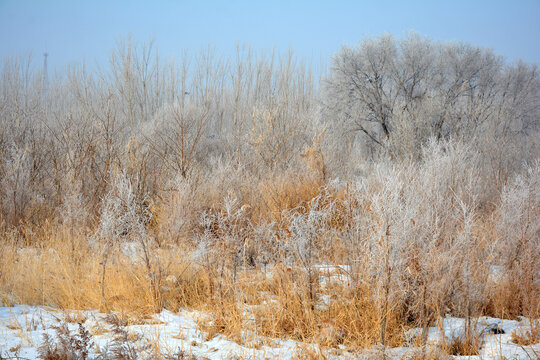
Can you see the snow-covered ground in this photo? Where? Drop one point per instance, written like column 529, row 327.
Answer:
column 496, row 336
column 22, row 329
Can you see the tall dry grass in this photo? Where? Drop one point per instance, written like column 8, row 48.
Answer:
column 276, row 288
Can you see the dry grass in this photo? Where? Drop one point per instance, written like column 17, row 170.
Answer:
column 57, row 274
column 273, row 305
column 284, row 192
column 54, row 265
column 466, row 346
column 527, row 337
column 276, row 306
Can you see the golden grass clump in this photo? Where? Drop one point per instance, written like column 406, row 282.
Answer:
column 529, row 336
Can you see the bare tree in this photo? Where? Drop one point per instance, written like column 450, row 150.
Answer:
column 176, row 135
column 360, row 87
column 400, row 93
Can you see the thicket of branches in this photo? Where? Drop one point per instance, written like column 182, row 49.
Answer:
column 414, row 162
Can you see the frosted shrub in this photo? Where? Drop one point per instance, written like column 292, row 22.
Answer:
column 307, row 227
column 16, row 185
column 179, row 207
column 518, row 214
column 224, row 235
column 468, row 283
column 307, row 238
column 264, row 244
column 226, row 177
column 412, row 235
column 381, row 244
column 444, row 197
column 123, row 219
column 72, row 211
column 518, row 226
column 450, row 170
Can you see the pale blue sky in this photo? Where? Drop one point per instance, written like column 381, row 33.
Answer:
column 76, row 30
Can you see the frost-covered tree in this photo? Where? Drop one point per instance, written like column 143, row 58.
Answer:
column 397, row 94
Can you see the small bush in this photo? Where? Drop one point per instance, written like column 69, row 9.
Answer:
column 66, row 345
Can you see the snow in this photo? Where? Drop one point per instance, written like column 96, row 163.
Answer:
column 333, row 273
column 495, row 346
column 22, row 328
column 496, row 273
